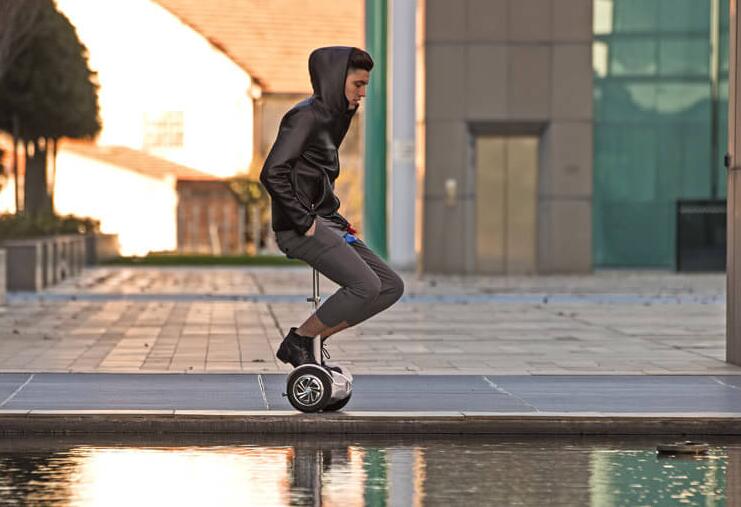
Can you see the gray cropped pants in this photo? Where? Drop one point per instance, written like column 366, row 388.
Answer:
column 367, row 284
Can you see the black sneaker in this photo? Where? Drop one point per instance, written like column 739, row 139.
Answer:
column 296, row 349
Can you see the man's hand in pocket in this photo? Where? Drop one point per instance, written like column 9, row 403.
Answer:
column 311, row 230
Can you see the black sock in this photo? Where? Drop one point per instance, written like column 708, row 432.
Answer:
column 294, row 331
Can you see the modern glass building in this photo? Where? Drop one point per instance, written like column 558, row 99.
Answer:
column 561, row 135
column 660, row 122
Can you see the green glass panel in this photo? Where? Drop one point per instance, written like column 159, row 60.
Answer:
column 723, row 51
column 635, row 15
column 632, row 57
column 626, row 101
column 626, row 162
column 722, row 147
column 684, row 57
column 724, row 15
column 640, row 234
column 670, row 162
column 694, row 144
column 598, row 222
column 684, row 154
column 598, row 98
column 678, row 101
column 684, row 15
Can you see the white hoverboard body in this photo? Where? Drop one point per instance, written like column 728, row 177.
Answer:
column 314, row 388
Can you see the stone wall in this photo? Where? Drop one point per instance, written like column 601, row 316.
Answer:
column 508, row 68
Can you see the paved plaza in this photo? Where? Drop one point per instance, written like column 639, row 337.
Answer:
column 231, row 320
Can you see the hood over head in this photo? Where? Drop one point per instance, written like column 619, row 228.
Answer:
column 328, row 70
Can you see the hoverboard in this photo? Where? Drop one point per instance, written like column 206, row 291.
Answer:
column 318, row 387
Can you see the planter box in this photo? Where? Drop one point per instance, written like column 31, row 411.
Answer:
column 34, row 263
column 64, row 267
column 54, row 249
column 24, row 264
column 101, row 247
column 77, row 254
column 47, row 261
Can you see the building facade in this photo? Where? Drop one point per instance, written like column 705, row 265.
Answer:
column 167, row 91
column 132, row 194
column 559, row 134
column 660, row 122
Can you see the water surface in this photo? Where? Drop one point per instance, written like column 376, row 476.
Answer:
column 199, row 470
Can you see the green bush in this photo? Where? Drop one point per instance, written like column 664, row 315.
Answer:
column 24, row 226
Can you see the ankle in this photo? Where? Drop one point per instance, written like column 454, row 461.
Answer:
column 302, row 333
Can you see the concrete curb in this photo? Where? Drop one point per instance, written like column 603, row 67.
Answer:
column 15, row 422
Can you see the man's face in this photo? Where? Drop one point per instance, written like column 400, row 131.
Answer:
column 355, row 85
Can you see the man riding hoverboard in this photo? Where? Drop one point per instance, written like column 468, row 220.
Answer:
column 299, row 174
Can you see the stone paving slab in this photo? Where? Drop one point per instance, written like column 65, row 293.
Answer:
column 297, row 280
column 9, row 384
column 124, row 392
column 172, row 320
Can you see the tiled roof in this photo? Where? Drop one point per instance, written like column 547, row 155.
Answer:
column 272, row 39
column 134, row 160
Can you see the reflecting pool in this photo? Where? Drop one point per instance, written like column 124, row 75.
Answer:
column 197, row 470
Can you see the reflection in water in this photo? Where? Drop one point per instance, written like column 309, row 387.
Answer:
column 192, row 476
column 631, row 477
column 413, row 472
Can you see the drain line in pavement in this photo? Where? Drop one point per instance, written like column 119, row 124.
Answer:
column 262, row 391
column 724, row 384
column 502, row 390
column 13, row 395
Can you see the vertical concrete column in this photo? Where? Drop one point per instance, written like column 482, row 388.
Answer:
column 733, row 266
column 402, row 189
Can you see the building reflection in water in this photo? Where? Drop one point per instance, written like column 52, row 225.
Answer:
column 453, row 471
column 643, row 478
column 355, row 476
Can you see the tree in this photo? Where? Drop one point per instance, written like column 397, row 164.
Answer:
column 47, row 92
column 17, row 19
column 253, row 196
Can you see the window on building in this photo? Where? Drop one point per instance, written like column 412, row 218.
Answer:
column 163, row 130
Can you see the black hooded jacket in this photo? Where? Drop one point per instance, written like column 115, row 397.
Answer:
column 303, row 164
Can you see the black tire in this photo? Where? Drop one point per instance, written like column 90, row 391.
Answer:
column 338, row 405
column 309, row 389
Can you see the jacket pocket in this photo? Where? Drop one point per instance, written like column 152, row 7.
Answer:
column 285, row 240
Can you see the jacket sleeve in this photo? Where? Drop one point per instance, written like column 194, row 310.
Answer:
column 293, row 136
